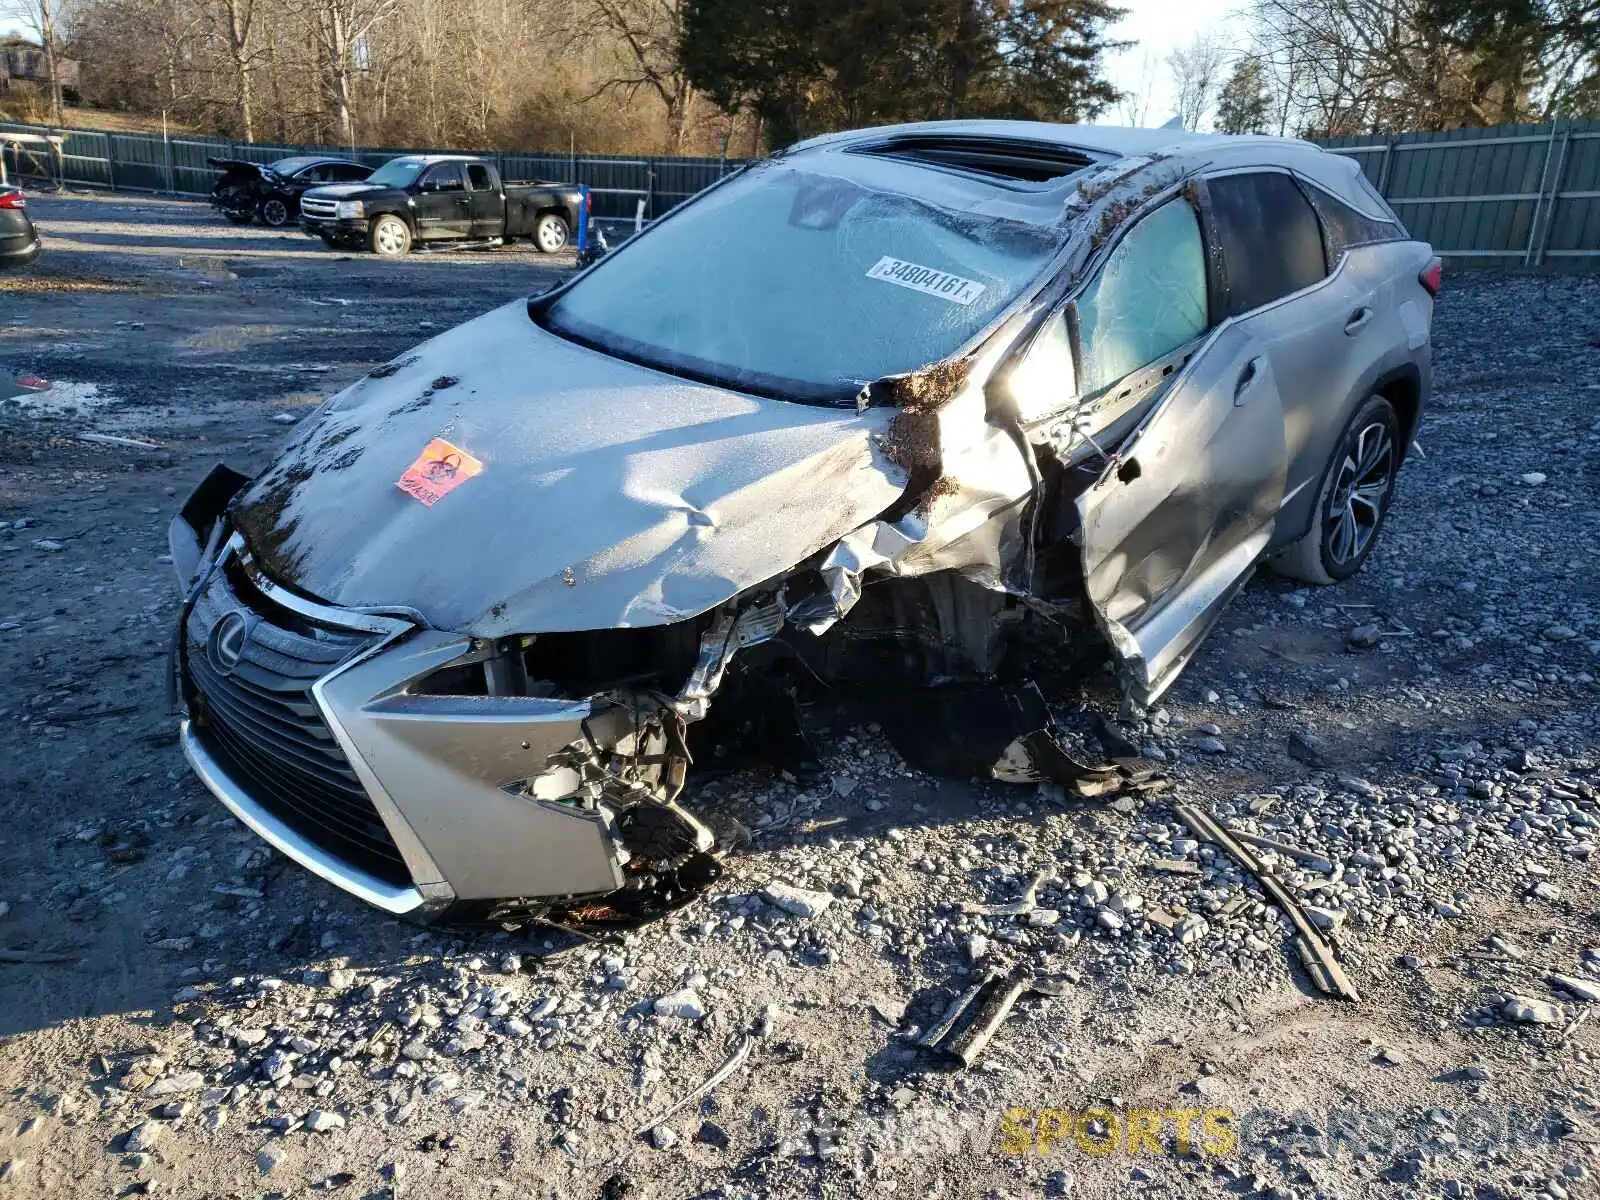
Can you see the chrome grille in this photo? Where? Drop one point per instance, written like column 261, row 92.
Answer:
column 323, row 210
column 258, row 718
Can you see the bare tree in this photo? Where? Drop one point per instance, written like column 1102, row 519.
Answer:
column 232, row 21
column 645, row 34
column 1196, row 76
column 340, row 30
column 47, row 20
column 1357, row 66
column 1133, row 108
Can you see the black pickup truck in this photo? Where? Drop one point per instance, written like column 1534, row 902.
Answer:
column 440, row 198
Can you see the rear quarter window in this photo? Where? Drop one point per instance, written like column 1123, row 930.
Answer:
column 1269, row 235
column 1344, row 227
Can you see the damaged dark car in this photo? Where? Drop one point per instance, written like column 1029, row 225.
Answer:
column 869, row 412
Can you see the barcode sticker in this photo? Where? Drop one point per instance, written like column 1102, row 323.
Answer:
column 930, row 282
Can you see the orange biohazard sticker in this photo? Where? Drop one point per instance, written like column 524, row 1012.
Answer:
column 439, row 469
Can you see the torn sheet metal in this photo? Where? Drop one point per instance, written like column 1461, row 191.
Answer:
column 1164, row 549
column 880, row 545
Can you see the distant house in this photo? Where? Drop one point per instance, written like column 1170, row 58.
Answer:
column 22, row 60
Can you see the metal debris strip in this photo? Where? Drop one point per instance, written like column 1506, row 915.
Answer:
column 33, row 957
column 1017, row 908
column 735, row 1060
column 1317, row 862
column 975, row 1016
column 1315, row 953
column 992, row 1009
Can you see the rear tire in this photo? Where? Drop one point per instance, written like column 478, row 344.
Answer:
column 274, row 213
column 550, row 233
column 1352, row 499
column 390, row 237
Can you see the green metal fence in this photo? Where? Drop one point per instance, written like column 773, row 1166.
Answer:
column 1519, row 194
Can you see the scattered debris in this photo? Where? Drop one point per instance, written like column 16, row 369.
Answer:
column 1315, row 953
column 1316, row 862
column 1017, row 908
column 973, row 1018
column 26, row 957
column 734, row 1061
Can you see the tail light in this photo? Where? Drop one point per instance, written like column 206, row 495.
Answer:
column 588, row 201
column 1432, row 276
column 12, row 200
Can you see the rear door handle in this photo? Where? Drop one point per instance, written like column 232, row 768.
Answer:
column 1358, row 319
column 1246, row 377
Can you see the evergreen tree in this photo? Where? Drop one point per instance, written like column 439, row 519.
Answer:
column 806, row 66
column 1244, row 105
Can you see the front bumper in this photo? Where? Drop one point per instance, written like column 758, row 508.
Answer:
column 309, row 727
column 345, row 230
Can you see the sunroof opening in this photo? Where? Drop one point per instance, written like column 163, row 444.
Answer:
column 997, row 158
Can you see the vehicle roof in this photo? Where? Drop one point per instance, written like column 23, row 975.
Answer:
column 314, row 158
column 429, row 159
column 1109, row 141
column 1151, row 149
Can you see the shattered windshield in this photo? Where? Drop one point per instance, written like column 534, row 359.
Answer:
column 397, row 172
column 807, row 284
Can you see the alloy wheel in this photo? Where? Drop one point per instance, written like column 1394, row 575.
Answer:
column 274, row 213
column 1360, row 494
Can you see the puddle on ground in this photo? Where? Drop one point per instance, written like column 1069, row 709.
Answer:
column 59, row 398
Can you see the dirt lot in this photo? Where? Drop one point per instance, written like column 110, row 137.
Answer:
column 184, row 1013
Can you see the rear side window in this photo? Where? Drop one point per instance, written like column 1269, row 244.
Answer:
column 1270, row 240
column 444, row 178
column 1149, row 298
column 348, row 171
column 1344, row 227
column 478, row 177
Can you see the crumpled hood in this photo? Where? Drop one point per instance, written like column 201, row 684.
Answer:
column 611, row 495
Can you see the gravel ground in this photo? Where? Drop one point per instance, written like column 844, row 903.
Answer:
column 212, row 1021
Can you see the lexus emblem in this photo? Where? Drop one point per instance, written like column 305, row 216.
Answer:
column 225, row 646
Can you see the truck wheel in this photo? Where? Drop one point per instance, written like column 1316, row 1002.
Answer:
column 550, row 233
column 390, row 237
column 274, row 212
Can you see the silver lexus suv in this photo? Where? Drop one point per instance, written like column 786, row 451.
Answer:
column 880, row 410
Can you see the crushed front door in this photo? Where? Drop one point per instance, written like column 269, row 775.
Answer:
column 1179, row 517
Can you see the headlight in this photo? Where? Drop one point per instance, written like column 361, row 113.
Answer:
column 346, row 209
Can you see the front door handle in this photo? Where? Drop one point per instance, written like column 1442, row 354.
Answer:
column 1358, row 320
column 1247, row 376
